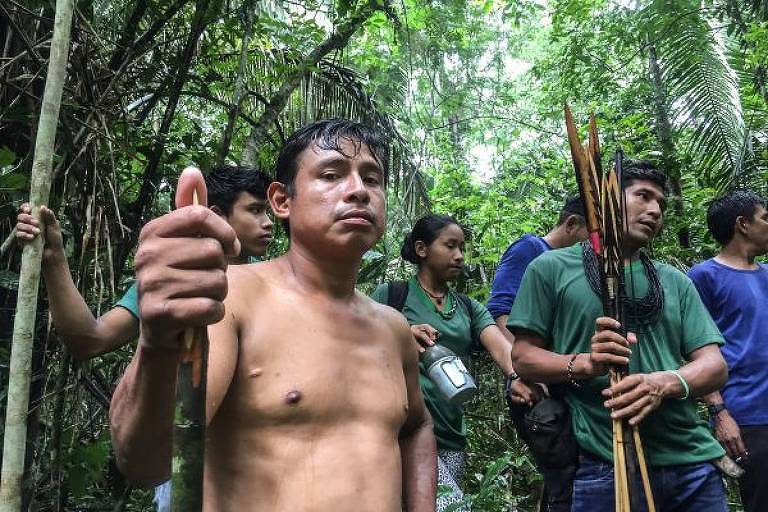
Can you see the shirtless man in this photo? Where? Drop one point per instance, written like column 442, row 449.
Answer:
column 313, row 397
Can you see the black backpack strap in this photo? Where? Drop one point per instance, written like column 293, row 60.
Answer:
column 467, row 303
column 397, row 292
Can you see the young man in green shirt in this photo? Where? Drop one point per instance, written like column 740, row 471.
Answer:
column 563, row 339
column 237, row 194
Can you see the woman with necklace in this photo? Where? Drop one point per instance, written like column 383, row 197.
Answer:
column 440, row 315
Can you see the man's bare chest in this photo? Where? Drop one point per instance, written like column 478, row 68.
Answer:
column 320, row 371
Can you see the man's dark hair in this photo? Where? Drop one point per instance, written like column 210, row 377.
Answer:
column 225, row 183
column 633, row 170
column 328, row 134
column 573, row 206
column 723, row 212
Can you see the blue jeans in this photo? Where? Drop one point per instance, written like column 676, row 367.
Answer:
column 683, row 488
column 162, row 499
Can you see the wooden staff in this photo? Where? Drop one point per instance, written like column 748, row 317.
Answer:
column 189, row 419
column 603, row 205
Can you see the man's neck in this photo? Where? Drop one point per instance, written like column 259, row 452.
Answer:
column 631, row 253
column 319, row 273
column 737, row 254
column 555, row 238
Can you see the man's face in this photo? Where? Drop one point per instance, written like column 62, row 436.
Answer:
column 338, row 200
column 250, row 220
column 645, row 204
column 756, row 229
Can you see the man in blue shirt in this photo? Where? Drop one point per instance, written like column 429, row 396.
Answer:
column 571, row 228
column 734, row 288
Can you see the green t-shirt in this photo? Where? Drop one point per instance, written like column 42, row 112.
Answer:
column 556, row 302
column 460, row 333
column 130, row 300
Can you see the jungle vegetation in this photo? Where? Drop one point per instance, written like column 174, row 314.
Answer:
column 470, row 92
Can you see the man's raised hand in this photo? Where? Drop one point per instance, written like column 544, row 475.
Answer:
column 27, row 228
column 608, row 346
column 181, row 267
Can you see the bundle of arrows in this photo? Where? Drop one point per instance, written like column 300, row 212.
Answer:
column 603, row 198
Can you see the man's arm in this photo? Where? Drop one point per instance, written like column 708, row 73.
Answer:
column 726, row 428
column 84, row 335
column 501, row 323
column 418, row 450
column 141, row 415
column 180, row 267
column 641, row 393
column 535, row 363
column 509, row 274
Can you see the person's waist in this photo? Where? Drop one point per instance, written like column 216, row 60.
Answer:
column 588, row 458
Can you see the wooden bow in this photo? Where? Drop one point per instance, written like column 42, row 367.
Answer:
column 603, row 199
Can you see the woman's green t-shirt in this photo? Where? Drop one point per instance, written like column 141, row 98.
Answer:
column 460, row 333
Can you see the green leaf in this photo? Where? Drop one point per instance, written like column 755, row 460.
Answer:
column 7, row 157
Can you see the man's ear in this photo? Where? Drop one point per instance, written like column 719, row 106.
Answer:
column 218, row 211
column 573, row 223
column 279, row 200
column 742, row 225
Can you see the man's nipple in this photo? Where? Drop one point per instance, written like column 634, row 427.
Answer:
column 293, row 397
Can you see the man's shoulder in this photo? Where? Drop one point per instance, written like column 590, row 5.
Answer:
column 250, row 271
column 702, row 268
column 379, row 310
column 570, row 255
column 669, row 271
column 525, row 243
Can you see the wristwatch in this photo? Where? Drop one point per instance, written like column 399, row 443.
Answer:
column 513, row 377
column 715, row 409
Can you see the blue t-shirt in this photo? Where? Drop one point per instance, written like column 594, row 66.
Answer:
column 512, row 266
column 736, row 300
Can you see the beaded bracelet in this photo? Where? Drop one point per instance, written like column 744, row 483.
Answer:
column 686, row 387
column 569, row 372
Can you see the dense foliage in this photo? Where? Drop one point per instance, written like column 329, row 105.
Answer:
column 471, row 93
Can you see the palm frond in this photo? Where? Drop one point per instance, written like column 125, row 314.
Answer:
column 704, row 88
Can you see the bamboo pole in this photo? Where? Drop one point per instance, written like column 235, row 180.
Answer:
column 15, row 440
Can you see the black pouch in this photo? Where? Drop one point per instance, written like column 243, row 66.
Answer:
column 546, row 429
column 549, row 433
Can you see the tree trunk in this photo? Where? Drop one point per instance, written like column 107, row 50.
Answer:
column 670, row 164
column 336, row 41
column 29, row 280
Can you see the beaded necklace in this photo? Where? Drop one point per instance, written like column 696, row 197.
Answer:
column 447, row 315
column 641, row 312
